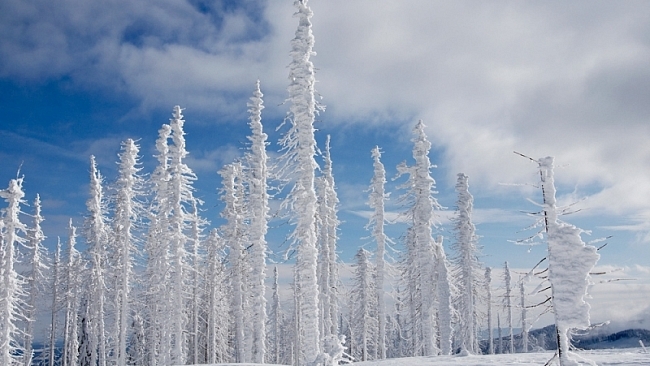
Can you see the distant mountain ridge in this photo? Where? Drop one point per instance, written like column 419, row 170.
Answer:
column 595, row 338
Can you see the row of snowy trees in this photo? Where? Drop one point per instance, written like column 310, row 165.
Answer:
column 156, row 287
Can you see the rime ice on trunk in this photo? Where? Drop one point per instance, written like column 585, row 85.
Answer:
column 36, row 280
column 234, row 233
column 466, row 268
column 258, row 210
column 56, row 280
column 181, row 198
column 376, row 201
column 11, row 288
column 570, row 261
column 507, row 302
column 97, row 239
column 426, row 270
column 157, row 254
column 362, row 300
column 524, row 323
column 72, row 284
column 299, row 148
column 127, row 209
column 327, row 238
column 488, row 290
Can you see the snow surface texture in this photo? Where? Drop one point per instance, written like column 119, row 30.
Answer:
column 609, row 357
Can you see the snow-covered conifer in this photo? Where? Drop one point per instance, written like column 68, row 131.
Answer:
column 12, row 293
column 157, row 269
column 275, row 322
column 499, row 333
column 570, row 262
column 74, row 267
column 97, row 240
column 524, row 323
column 217, row 308
column 55, row 283
column 363, row 318
column 488, row 301
column 443, row 287
column 256, row 177
column 181, row 198
column 376, row 201
column 466, row 268
column 195, row 237
column 425, row 253
column 233, row 236
column 123, row 244
column 299, row 149
column 327, row 237
column 36, row 279
column 507, row 303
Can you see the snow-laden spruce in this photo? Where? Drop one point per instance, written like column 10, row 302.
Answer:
column 217, row 307
column 56, row 294
column 507, row 304
column 275, row 322
column 181, row 196
column 36, row 277
column 298, row 164
column 196, row 227
column 524, row 320
column 157, row 255
column 362, row 304
column 467, row 270
column 426, row 273
column 97, row 240
column 256, row 174
column 168, row 271
column 376, row 201
column 72, row 286
column 570, row 261
column 123, row 244
column 488, row 304
column 327, row 227
column 233, row 236
column 12, row 292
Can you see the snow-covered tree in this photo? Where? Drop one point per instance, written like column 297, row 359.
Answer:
column 233, row 236
column 197, row 225
column 123, row 244
column 299, row 149
column 376, row 201
column 507, row 303
column 466, row 268
column 181, row 195
column 275, row 322
column 57, row 274
column 570, row 262
column 499, row 333
column 363, row 305
column 36, row 278
column 488, row 301
column 168, row 270
column 327, row 213
column 12, row 293
column 427, row 279
column 256, row 177
column 97, row 240
column 217, row 309
column 72, row 283
column 524, row 322
column 157, row 269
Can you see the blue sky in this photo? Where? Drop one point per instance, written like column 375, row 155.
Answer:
column 569, row 80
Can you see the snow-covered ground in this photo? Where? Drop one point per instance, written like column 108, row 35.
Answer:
column 628, row 356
